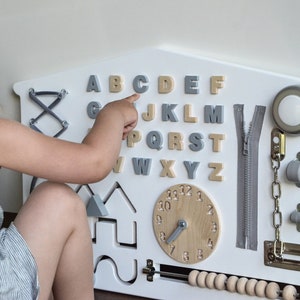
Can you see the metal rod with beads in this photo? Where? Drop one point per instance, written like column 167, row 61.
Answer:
column 225, row 282
column 242, row 285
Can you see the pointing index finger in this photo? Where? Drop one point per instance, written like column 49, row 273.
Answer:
column 133, row 98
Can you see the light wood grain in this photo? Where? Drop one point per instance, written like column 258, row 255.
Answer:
column 189, row 203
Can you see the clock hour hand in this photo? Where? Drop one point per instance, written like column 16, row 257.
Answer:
column 181, row 225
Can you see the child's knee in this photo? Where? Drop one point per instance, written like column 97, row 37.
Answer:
column 59, row 198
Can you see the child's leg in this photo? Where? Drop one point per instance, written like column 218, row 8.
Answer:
column 53, row 222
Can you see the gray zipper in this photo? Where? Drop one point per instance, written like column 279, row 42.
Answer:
column 247, row 175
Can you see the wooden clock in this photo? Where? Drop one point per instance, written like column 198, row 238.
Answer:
column 186, row 223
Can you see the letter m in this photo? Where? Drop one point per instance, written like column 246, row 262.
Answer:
column 213, row 114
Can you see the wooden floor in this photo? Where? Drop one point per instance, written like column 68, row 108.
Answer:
column 104, row 295
column 99, row 295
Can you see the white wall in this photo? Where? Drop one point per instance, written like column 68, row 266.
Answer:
column 43, row 37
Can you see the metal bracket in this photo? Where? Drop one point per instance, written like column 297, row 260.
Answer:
column 278, row 146
column 149, row 270
column 273, row 260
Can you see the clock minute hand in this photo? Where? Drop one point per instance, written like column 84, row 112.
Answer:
column 181, row 225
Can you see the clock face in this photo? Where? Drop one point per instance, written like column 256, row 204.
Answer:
column 186, row 223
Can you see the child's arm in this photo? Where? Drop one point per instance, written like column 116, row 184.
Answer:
column 26, row 151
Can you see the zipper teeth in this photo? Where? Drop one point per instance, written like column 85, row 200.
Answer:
column 247, row 202
column 247, row 187
column 240, row 131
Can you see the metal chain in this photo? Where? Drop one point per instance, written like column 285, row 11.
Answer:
column 277, row 155
column 277, row 214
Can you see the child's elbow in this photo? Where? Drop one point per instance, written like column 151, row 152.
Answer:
column 101, row 170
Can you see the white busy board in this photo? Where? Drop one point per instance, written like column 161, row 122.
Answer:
column 182, row 162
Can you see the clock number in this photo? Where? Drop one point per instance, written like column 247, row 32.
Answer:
column 169, row 195
column 175, row 194
column 162, row 236
column 188, row 191
column 160, row 205
column 158, row 220
column 199, row 198
column 185, row 256
column 200, row 254
column 172, row 195
column 214, row 227
column 210, row 210
column 181, row 188
column 164, row 206
column 167, row 205
column 172, row 248
column 210, row 244
column 185, row 190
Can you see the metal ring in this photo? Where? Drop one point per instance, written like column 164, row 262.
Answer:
column 291, row 90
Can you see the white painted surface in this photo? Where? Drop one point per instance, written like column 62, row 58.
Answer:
column 126, row 235
column 40, row 38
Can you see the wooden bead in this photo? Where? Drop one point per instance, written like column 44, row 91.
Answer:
column 260, row 288
column 231, row 284
column 210, row 280
column 289, row 292
column 250, row 287
column 220, row 282
column 272, row 290
column 241, row 285
column 201, row 279
column 192, row 278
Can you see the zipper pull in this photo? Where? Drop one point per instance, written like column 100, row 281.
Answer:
column 246, row 142
column 277, row 144
column 245, row 147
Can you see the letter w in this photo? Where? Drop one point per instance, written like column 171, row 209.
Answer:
column 141, row 166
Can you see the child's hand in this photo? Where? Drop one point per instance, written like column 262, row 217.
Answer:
column 127, row 111
column 132, row 116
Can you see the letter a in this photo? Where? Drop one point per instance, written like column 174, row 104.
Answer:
column 93, row 84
